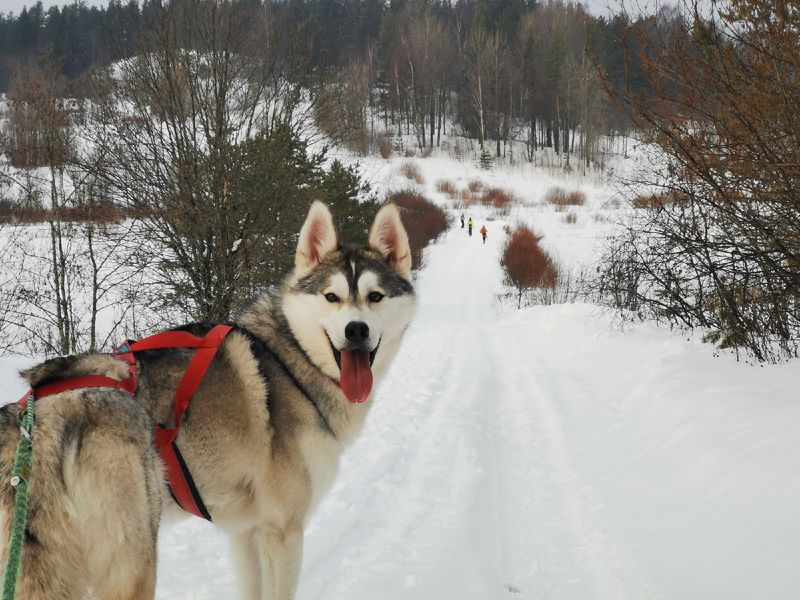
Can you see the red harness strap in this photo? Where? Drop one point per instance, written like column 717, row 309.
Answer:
column 179, row 479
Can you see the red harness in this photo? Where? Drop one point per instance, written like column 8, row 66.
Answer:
column 179, row 479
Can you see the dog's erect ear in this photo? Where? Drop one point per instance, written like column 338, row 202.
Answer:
column 389, row 237
column 317, row 239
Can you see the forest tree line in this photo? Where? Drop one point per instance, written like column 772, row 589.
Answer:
column 495, row 69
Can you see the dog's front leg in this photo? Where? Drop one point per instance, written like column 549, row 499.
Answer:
column 280, row 553
column 248, row 564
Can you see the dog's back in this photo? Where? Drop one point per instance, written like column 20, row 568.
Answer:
column 77, row 365
column 95, row 498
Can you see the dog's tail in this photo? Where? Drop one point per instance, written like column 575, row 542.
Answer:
column 66, row 367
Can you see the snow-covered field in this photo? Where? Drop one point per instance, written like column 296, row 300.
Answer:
column 541, row 453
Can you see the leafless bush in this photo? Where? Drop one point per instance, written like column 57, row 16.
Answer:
column 571, row 218
column 720, row 247
column 445, row 186
column 342, row 106
column 38, row 132
column 384, row 143
column 221, row 192
column 469, row 198
column 412, row 172
column 499, row 198
column 560, row 197
column 423, row 220
column 571, row 287
column 525, row 264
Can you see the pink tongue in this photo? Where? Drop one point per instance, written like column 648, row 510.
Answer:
column 356, row 377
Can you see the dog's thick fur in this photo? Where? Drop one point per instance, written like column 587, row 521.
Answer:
column 262, row 436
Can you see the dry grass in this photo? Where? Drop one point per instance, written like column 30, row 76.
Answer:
column 412, row 172
column 476, row 185
column 560, row 197
column 445, row 186
column 101, row 213
column 571, row 218
column 423, row 220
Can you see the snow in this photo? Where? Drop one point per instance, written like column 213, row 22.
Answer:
column 541, row 453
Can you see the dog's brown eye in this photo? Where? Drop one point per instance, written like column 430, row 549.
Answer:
column 374, row 296
column 331, row 297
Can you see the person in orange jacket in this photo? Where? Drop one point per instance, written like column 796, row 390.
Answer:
column 484, row 231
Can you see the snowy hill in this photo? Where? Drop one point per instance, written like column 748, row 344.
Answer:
column 543, row 454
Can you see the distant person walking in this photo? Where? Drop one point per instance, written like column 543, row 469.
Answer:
column 469, row 226
column 484, row 231
column 462, row 220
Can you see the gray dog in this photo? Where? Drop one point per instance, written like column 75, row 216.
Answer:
column 288, row 389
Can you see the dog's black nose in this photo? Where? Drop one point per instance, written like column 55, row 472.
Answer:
column 356, row 332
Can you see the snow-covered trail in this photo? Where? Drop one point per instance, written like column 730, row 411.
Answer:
column 437, row 473
column 477, row 499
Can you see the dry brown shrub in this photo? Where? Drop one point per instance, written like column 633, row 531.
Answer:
column 411, row 171
column 409, row 152
column 384, row 143
column 525, row 263
column 499, row 198
column 445, row 186
column 599, row 217
column 469, row 197
column 423, row 220
column 476, row 185
column 571, row 218
column 560, row 197
column 672, row 198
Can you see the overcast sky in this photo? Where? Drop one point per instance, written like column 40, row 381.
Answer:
column 597, row 7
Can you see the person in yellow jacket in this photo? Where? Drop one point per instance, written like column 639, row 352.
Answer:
column 469, row 226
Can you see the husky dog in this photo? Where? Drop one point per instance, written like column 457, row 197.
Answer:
column 288, row 389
